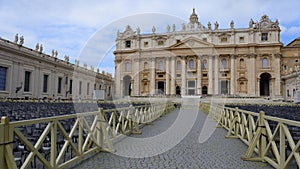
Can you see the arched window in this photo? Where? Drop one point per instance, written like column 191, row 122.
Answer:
column 242, row 64
column 204, row 65
column 191, row 64
column 127, row 67
column 265, row 63
column 178, row 65
column 161, row 65
column 224, row 63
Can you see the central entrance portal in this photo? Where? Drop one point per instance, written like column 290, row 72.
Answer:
column 265, row 84
column 161, row 87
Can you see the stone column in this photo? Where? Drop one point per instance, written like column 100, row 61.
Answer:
column 118, row 86
column 152, row 79
column 199, row 75
column 183, row 75
column 210, row 75
column 277, row 87
column 136, row 77
column 232, row 75
column 173, row 75
column 216, row 76
column 167, row 76
column 251, row 75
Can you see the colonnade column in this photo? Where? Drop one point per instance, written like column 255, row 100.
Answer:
column 251, row 70
column 199, row 75
column 277, row 91
column 173, row 75
column 216, row 76
column 136, row 77
column 152, row 80
column 210, row 75
column 167, row 76
column 118, row 86
column 232, row 75
column 183, row 75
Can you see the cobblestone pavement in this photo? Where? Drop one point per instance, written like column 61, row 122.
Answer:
column 215, row 152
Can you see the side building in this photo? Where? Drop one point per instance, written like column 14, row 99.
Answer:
column 290, row 70
column 30, row 73
column 200, row 60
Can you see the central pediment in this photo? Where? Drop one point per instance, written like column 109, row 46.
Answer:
column 191, row 42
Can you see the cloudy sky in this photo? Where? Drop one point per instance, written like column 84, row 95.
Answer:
column 86, row 30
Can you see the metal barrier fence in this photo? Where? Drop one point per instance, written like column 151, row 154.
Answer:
column 269, row 139
column 57, row 145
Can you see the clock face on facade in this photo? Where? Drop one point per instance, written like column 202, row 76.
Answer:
column 264, row 24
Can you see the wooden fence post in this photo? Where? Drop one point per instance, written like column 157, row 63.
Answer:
column 6, row 140
column 263, row 139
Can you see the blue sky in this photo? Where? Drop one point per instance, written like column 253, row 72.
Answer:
column 86, row 30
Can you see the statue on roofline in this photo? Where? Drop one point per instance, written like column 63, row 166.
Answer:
column 21, row 40
column 16, row 38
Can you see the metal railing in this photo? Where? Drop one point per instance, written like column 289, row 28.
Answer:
column 57, row 146
column 269, row 139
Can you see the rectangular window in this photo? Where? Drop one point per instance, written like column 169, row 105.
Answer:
column 264, row 37
column 191, row 85
column 71, row 86
column 87, row 88
column 242, row 39
column 45, row 87
column 80, row 85
column 223, row 39
column 59, row 85
column 146, row 44
column 204, row 39
column 160, row 43
column 3, row 71
column 128, row 44
column 95, row 86
column 204, row 75
column 27, row 81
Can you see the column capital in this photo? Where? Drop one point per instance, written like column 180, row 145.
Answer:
column 252, row 55
column 183, row 57
column 152, row 59
column 277, row 55
column 200, row 56
column 233, row 56
column 136, row 59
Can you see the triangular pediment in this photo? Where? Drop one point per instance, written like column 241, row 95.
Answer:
column 192, row 42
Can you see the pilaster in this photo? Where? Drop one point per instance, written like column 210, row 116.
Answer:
column 152, row 80
column 199, row 75
column 167, row 76
column 216, row 76
column 173, row 75
column 183, row 75
column 232, row 75
column 210, row 75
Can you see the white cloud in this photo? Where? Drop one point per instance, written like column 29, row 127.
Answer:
column 67, row 26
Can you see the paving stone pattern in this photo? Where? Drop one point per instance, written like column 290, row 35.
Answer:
column 217, row 152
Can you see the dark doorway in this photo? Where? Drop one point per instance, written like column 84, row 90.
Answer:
column 161, row 87
column 224, row 87
column 178, row 91
column 265, row 84
column 127, row 86
column 204, row 89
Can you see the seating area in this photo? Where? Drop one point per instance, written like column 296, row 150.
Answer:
column 19, row 111
column 286, row 111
